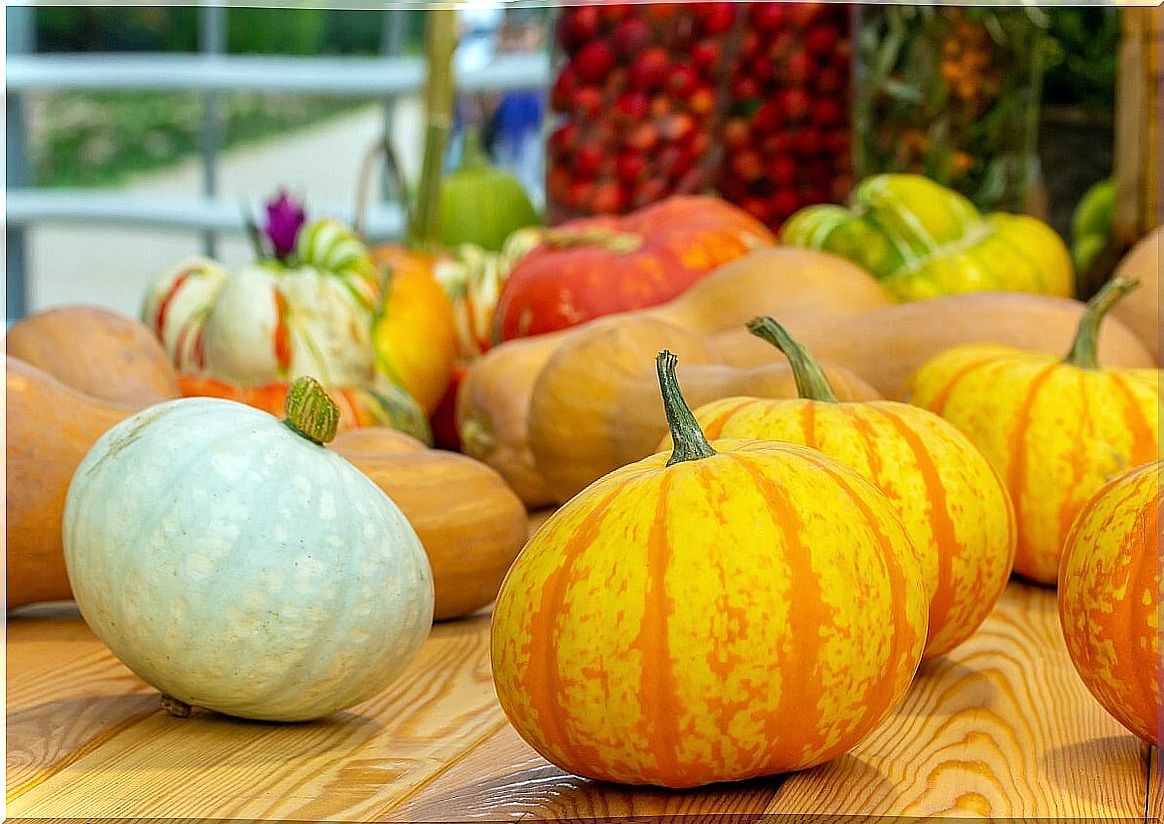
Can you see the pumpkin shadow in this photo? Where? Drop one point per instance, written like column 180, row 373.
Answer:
column 944, row 686
column 1106, row 761
column 119, row 724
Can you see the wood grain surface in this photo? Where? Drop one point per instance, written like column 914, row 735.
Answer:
column 1002, row 728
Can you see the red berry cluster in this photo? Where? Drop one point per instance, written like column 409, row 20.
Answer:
column 637, row 95
column 786, row 133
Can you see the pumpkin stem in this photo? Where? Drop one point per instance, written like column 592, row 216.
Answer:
column 690, row 442
column 811, row 382
column 310, row 410
column 175, row 707
column 1085, row 347
column 620, row 243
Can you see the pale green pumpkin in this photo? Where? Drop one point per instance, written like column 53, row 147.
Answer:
column 236, row 563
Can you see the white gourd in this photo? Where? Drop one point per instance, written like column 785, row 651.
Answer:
column 238, row 565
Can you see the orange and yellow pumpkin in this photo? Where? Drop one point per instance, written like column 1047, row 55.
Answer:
column 950, row 499
column 730, row 610
column 1057, row 429
column 1109, row 598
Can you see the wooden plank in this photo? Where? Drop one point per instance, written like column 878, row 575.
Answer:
column 504, row 779
column 350, row 766
column 1002, row 727
column 1154, row 800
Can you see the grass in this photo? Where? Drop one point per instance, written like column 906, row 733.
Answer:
column 94, row 139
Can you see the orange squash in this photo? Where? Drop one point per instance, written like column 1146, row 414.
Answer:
column 413, row 331
column 1057, row 429
column 470, row 523
column 952, row 502
column 50, row 428
column 96, row 351
column 1109, row 598
column 733, row 609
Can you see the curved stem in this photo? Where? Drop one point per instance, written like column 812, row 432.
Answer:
column 811, row 382
column 439, row 98
column 690, row 442
column 310, row 410
column 1084, row 349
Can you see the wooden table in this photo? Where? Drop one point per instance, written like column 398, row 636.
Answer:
column 1002, row 727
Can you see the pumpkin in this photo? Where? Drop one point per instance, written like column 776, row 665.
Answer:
column 592, row 409
column 275, row 320
column 1140, row 310
column 494, row 402
column 470, row 523
column 1057, row 429
column 380, row 404
column 414, row 334
column 1109, row 598
column 597, row 266
column 952, row 502
column 50, row 427
column 235, row 563
column 97, row 352
column 922, row 239
column 733, row 609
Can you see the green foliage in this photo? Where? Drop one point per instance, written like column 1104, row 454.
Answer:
column 1080, row 64
column 95, row 139
column 275, row 31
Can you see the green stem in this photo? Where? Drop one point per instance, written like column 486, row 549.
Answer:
column 439, row 95
column 690, row 442
column 1085, row 347
column 473, row 154
column 310, row 411
column 811, row 382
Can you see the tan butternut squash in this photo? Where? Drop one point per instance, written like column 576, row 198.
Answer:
column 595, row 404
column 583, row 423
column 97, row 352
column 470, row 524
column 494, row 402
column 1140, row 310
column 50, row 427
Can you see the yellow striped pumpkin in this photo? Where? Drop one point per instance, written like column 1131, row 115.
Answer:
column 731, row 610
column 921, row 240
column 1057, row 429
column 1109, row 598
column 950, row 499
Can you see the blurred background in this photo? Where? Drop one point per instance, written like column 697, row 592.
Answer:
column 111, row 180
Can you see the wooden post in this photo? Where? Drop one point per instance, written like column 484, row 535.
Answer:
column 1137, row 127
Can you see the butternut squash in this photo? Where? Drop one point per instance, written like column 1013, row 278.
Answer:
column 494, row 402
column 97, row 352
column 577, row 436
column 1140, row 310
column 50, row 428
column 470, row 524
column 595, row 404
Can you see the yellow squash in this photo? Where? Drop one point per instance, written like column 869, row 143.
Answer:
column 950, row 499
column 730, row 610
column 1057, row 429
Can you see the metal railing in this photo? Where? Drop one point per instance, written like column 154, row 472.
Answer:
column 208, row 73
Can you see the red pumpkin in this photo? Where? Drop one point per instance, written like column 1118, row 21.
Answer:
column 591, row 267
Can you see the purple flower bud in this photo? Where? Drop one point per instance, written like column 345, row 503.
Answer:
column 284, row 218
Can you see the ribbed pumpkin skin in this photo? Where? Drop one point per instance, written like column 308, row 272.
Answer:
column 237, row 566
column 950, row 499
column 750, row 613
column 1055, row 432
column 1109, row 598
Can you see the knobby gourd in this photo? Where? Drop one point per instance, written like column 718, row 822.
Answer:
column 951, row 501
column 729, row 610
column 1056, row 428
column 1109, row 598
column 236, row 563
